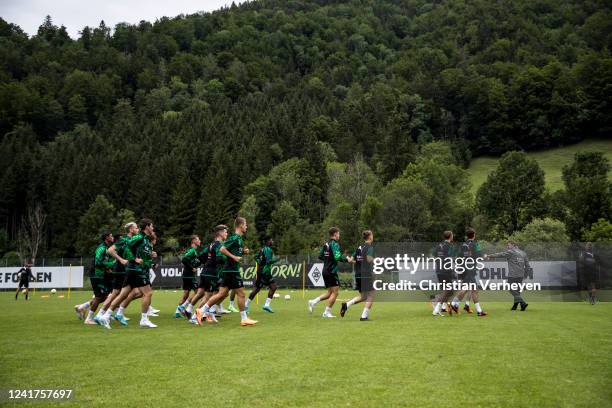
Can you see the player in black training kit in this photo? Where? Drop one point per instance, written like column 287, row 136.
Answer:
column 209, row 276
column 469, row 250
column 25, row 274
column 444, row 252
column 364, row 257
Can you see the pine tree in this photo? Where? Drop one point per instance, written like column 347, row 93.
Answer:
column 215, row 206
column 183, row 209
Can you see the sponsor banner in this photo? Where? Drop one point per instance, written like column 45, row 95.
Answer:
column 547, row 273
column 286, row 275
column 51, row 277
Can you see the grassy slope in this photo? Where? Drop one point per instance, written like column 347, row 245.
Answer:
column 553, row 355
column 551, row 161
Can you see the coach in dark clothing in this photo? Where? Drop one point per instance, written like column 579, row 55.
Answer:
column 25, row 274
column 518, row 268
column 588, row 271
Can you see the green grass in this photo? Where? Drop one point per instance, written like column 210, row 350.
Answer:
column 553, row 355
column 551, row 161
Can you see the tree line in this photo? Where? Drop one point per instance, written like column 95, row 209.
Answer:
column 302, row 114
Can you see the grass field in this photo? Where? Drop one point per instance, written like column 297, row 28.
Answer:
column 551, row 161
column 552, row 355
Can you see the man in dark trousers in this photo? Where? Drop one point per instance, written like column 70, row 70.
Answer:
column 588, row 272
column 444, row 251
column 25, row 274
column 518, row 269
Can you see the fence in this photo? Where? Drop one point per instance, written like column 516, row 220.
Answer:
column 558, row 265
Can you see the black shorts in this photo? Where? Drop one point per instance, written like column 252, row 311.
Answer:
column 101, row 287
column 331, row 280
column 264, row 279
column 208, row 283
column 363, row 284
column 467, row 277
column 24, row 284
column 445, row 276
column 231, row 280
column 118, row 281
column 137, row 278
column 588, row 279
column 189, row 283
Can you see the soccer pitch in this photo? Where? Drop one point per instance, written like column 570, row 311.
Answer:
column 552, row 355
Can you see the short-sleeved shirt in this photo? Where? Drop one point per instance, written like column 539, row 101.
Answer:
column 215, row 260
column 265, row 259
column 443, row 251
column 363, row 268
column 471, row 249
column 235, row 245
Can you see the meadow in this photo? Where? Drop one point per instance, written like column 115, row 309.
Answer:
column 550, row 160
column 555, row 354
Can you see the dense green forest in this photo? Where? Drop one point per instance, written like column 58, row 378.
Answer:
column 305, row 114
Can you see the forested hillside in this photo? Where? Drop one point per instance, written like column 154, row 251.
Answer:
column 302, row 114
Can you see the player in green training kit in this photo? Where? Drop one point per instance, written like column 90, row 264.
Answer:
column 191, row 263
column 330, row 254
column 136, row 293
column 209, row 277
column 265, row 259
column 100, row 276
column 364, row 257
column 139, row 253
column 233, row 248
column 118, row 274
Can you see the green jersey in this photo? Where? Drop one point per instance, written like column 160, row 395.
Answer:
column 139, row 247
column 331, row 254
column 265, row 259
column 103, row 262
column 191, row 261
column 235, row 245
column 120, row 246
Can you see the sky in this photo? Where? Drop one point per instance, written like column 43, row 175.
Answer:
column 76, row 14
